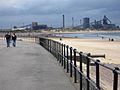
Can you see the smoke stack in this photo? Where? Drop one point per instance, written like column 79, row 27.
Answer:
column 63, row 21
column 72, row 22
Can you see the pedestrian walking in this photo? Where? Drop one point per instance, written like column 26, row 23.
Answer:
column 14, row 38
column 8, row 38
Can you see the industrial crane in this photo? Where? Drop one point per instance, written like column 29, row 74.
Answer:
column 106, row 20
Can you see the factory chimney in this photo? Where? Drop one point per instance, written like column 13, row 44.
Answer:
column 72, row 22
column 63, row 21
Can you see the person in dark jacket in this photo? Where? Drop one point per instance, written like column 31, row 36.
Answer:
column 8, row 38
column 14, row 38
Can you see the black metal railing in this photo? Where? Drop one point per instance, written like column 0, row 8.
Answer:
column 82, row 67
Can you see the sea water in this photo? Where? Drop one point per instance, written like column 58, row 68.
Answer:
column 106, row 34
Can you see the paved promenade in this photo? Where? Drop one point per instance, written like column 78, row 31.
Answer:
column 30, row 67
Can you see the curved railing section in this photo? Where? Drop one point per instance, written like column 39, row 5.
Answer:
column 89, row 72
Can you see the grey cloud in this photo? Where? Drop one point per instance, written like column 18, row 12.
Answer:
column 55, row 8
column 65, row 6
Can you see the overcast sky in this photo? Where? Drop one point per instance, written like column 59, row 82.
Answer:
column 17, row 12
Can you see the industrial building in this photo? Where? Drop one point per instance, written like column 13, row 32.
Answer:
column 36, row 26
column 86, row 23
column 105, row 23
column 32, row 26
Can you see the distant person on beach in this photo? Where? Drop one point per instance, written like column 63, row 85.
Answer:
column 60, row 39
column 14, row 38
column 102, row 37
column 111, row 39
column 8, row 38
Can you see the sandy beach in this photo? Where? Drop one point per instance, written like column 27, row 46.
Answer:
column 111, row 49
column 96, row 47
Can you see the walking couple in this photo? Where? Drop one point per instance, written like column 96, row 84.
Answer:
column 10, row 38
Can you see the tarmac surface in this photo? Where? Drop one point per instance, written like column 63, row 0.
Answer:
column 28, row 66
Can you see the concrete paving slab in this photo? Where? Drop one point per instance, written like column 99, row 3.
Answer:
column 30, row 67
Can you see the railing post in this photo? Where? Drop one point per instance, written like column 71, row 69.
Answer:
column 80, row 54
column 64, row 57
column 67, row 59
column 39, row 41
column 59, row 52
column 115, row 82
column 55, row 49
column 50, row 45
column 88, row 71
column 75, row 73
column 43, row 41
column 46, row 44
column 97, row 74
column 70, row 61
